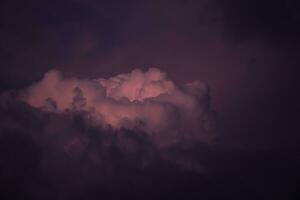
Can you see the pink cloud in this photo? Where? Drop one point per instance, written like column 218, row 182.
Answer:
column 146, row 100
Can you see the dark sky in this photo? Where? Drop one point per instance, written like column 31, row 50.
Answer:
column 247, row 51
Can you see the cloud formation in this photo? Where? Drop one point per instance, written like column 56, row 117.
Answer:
column 61, row 137
column 48, row 151
column 147, row 101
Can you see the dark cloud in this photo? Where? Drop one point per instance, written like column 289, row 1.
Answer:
column 59, row 156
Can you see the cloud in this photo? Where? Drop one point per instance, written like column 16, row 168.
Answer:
column 71, row 134
column 51, row 153
column 68, row 134
column 147, row 101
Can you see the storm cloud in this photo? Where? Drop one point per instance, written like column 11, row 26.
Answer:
column 81, row 133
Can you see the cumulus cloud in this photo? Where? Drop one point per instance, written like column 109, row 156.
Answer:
column 62, row 136
column 56, row 143
column 147, row 101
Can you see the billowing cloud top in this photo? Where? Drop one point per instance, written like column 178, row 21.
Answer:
column 147, row 101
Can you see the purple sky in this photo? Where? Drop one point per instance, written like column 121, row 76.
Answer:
column 247, row 52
